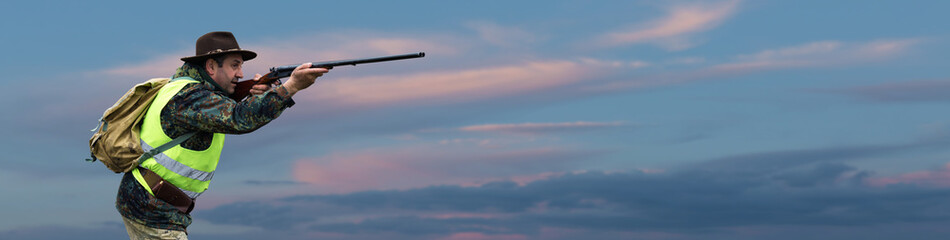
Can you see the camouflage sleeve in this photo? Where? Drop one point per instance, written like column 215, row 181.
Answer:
column 198, row 108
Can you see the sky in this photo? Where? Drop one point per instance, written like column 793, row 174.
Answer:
column 666, row 120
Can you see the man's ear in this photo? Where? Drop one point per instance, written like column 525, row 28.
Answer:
column 210, row 66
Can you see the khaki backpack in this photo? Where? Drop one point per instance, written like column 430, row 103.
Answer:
column 116, row 141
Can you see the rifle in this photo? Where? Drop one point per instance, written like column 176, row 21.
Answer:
column 244, row 88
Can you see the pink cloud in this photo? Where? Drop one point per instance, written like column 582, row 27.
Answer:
column 938, row 177
column 420, row 166
column 671, row 31
column 534, row 128
column 448, row 86
column 525, row 179
column 160, row 66
column 888, row 47
column 360, row 171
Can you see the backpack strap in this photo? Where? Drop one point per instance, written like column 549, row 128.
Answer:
column 166, row 146
column 154, row 151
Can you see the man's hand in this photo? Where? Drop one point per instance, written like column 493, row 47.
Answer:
column 259, row 88
column 302, row 77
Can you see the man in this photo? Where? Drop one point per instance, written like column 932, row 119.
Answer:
column 156, row 198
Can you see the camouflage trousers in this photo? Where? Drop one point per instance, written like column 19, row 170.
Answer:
column 138, row 231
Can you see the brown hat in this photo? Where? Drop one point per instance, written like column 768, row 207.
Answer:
column 214, row 43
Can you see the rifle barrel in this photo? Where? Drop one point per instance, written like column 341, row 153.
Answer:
column 284, row 71
column 242, row 89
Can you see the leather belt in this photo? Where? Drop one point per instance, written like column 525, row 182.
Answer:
column 167, row 192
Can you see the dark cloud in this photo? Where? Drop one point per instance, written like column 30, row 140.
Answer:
column 824, row 173
column 679, row 202
column 493, row 197
column 768, row 163
column 411, row 225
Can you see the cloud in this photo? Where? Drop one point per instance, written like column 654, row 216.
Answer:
column 818, row 54
column 809, row 49
column 539, row 128
column 781, row 190
column 455, row 86
column 159, row 66
column 431, row 165
column 767, row 163
column 678, row 203
column 672, row 32
column 937, row 177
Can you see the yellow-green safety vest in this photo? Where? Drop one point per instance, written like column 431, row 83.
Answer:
column 189, row 170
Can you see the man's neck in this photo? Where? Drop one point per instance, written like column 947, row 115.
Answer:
column 197, row 73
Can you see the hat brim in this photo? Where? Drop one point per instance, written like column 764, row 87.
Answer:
column 245, row 55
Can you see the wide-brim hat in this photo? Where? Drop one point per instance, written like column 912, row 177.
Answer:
column 215, row 43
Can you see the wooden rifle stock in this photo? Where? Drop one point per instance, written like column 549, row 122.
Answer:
column 243, row 88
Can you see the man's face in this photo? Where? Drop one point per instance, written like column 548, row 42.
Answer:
column 228, row 74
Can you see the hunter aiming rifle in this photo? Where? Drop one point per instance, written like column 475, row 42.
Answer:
column 244, row 88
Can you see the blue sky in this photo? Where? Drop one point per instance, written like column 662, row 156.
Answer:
column 526, row 120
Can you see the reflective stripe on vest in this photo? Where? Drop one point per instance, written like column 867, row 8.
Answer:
column 177, row 167
column 189, row 170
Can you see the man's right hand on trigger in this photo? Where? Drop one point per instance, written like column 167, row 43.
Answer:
column 302, row 77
